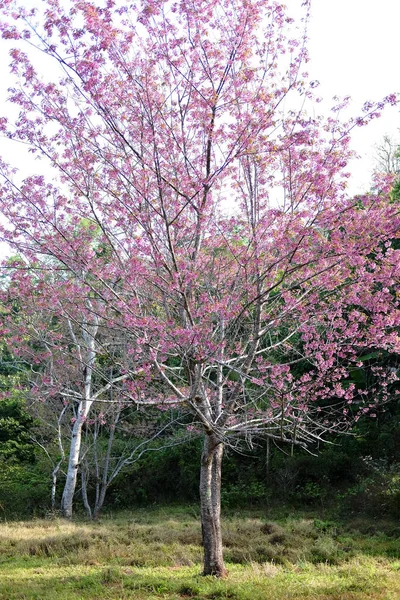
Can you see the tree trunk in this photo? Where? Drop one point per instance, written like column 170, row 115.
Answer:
column 73, row 465
column 210, row 506
column 54, row 476
column 104, row 480
column 85, row 498
column 88, row 332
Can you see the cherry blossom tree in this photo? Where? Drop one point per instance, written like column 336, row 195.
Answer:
column 227, row 253
column 55, row 330
column 71, row 375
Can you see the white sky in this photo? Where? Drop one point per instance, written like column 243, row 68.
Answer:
column 354, row 51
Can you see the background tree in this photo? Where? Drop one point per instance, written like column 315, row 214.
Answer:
column 227, row 250
column 71, row 363
column 387, row 162
column 56, row 331
column 387, row 156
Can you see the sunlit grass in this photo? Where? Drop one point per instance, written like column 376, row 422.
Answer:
column 157, row 555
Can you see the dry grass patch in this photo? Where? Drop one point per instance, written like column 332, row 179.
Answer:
column 158, row 556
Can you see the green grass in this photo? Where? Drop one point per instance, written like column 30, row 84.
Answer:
column 156, row 554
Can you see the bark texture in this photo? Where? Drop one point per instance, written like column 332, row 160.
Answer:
column 210, row 503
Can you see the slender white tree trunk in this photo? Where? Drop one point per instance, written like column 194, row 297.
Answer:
column 54, row 476
column 73, row 461
column 210, row 506
column 88, row 351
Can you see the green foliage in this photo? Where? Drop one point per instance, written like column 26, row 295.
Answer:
column 15, row 421
column 336, row 479
column 395, row 192
column 15, row 425
column 24, row 490
column 168, row 474
column 24, row 483
column 376, row 493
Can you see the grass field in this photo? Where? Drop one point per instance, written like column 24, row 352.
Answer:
column 156, row 554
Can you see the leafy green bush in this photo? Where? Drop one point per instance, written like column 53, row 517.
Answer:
column 377, row 493
column 24, row 490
